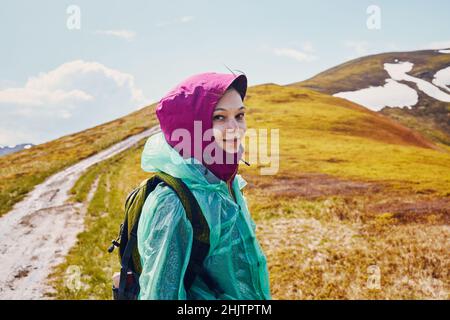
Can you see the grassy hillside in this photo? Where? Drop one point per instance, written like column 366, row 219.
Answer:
column 22, row 170
column 429, row 116
column 320, row 133
column 356, row 196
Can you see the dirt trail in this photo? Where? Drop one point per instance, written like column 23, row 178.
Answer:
column 38, row 232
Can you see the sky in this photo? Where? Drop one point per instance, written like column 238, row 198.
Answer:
column 66, row 66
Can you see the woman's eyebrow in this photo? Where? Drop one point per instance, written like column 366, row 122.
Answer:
column 219, row 109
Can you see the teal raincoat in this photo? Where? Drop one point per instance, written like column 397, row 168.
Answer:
column 235, row 260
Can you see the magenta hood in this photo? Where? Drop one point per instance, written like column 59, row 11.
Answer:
column 193, row 101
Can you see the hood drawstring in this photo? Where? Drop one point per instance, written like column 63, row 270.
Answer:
column 248, row 164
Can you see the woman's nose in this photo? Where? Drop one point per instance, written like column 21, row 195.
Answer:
column 232, row 125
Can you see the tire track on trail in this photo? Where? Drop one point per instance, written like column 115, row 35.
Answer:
column 38, row 232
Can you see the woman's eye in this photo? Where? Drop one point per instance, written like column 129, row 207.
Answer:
column 218, row 117
column 240, row 116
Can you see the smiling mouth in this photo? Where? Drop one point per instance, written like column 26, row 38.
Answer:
column 231, row 140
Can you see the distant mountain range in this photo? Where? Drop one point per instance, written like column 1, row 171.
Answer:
column 10, row 149
column 412, row 88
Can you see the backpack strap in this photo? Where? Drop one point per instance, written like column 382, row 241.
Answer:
column 125, row 267
column 201, row 233
column 129, row 255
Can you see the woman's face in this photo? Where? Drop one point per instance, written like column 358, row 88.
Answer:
column 229, row 122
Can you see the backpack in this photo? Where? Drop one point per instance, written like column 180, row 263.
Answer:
column 127, row 239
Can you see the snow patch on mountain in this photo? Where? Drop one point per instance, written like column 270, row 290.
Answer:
column 396, row 94
column 442, row 79
column 398, row 71
column 392, row 94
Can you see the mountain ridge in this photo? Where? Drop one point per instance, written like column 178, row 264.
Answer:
column 428, row 115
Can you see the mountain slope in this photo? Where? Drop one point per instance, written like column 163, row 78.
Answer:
column 321, row 133
column 418, row 96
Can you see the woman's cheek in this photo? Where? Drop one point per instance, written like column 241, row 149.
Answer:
column 217, row 131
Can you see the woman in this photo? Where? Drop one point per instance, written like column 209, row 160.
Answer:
column 203, row 113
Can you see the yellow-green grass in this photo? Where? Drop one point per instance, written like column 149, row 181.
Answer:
column 425, row 125
column 320, row 133
column 22, row 170
column 316, row 248
column 314, row 258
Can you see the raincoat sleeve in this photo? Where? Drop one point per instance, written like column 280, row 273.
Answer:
column 164, row 243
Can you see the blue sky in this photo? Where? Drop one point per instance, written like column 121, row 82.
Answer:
column 56, row 81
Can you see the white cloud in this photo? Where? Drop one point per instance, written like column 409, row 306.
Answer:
column 14, row 137
column 186, row 19
column 307, row 46
column 438, row 45
column 28, row 96
column 392, row 46
column 74, row 96
column 6, row 84
column 183, row 19
column 360, row 48
column 123, row 34
column 307, row 55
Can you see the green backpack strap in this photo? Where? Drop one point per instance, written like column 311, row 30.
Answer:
column 201, row 232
